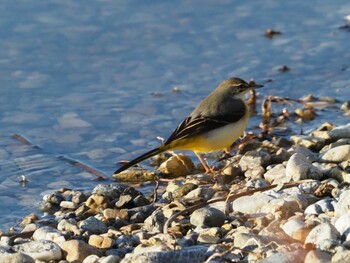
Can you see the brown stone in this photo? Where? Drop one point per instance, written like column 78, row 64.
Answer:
column 78, row 250
column 100, row 241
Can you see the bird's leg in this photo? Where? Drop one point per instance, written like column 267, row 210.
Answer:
column 204, row 163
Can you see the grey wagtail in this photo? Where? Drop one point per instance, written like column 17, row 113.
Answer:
column 215, row 124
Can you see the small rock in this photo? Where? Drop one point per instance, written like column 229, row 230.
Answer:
column 299, row 167
column 310, row 142
column 78, row 250
column 48, row 233
column 91, row 259
column 340, row 132
column 207, row 216
column 43, row 250
column 286, row 257
column 323, row 206
column 321, row 233
column 177, row 165
column 93, row 225
column 276, row 174
column 253, row 159
column 111, row 191
column 155, row 222
column 318, row 256
column 342, row 224
column 70, row 226
column 337, row 154
column 6, row 257
column 295, row 229
column 101, row 242
column 343, row 205
column 341, row 256
column 110, row 259
column 68, row 205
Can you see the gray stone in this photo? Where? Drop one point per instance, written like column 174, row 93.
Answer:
column 286, row 257
column 110, row 259
column 340, row 132
column 15, row 258
column 112, row 191
column 343, row 205
column 207, row 216
column 342, row 224
column 341, row 256
column 299, row 167
column 40, row 250
column 155, row 222
column 193, row 254
column 201, row 192
column 253, row 159
column 317, row 256
column 320, row 207
column 49, row 233
column 337, row 154
column 276, row 174
column 321, row 233
column 93, row 225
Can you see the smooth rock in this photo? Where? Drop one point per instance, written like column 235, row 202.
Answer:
column 15, row 258
column 49, row 233
column 321, row 233
column 111, row 191
column 299, row 167
column 276, row 174
column 201, row 192
column 193, row 254
column 177, row 165
column 337, row 154
column 69, row 225
column 93, row 225
column 286, row 257
column 155, row 222
column 342, row 224
column 314, row 143
column 253, row 159
column 78, row 250
column 68, row 205
column 343, row 205
column 323, row 206
column 207, row 216
column 101, row 242
column 43, row 250
column 317, row 256
column 340, row 132
column 91, row 259
column 341, row 256
column 293, row 228
column 110, row 259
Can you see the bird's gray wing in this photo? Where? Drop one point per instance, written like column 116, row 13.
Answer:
column 200, row 123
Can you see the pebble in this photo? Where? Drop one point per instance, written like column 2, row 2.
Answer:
column 93, row 225
column 321, row 233
column 177, row 165
column 78, row 250
column 42, row 250
column 49, row 233
column 337, row 154
column 117, row 223
column 340, row 132
column 207, row 217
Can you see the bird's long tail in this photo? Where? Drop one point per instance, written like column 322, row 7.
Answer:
column 140, row 159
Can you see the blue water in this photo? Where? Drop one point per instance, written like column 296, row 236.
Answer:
column 93, row 80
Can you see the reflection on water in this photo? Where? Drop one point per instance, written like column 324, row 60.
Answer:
column 94, row 81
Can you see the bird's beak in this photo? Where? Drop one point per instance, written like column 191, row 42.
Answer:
column 256, row 86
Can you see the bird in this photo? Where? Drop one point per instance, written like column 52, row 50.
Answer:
column 214, row 125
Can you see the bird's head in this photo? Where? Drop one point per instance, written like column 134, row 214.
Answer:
column 238, row 87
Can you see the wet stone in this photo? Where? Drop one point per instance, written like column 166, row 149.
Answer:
column 337, row 154
column 207, row 217
column 93, row 225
